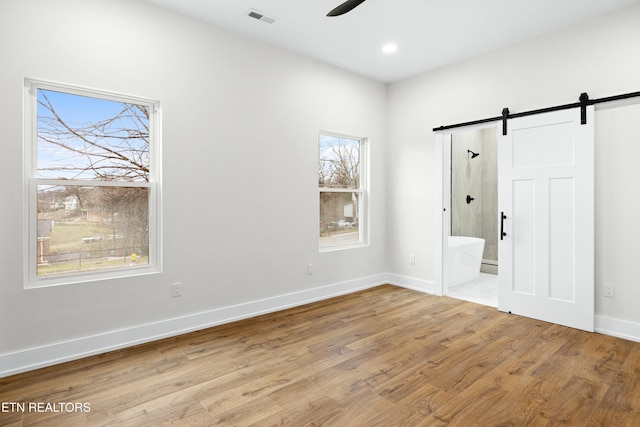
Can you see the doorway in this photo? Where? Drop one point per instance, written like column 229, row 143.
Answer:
column 473, row 244
column 545, row 222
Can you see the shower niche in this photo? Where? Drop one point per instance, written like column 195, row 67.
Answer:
column 474, row 191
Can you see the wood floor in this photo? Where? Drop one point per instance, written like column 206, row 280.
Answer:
column 382, row 357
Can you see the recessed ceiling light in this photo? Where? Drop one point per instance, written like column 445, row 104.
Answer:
column 389, row 48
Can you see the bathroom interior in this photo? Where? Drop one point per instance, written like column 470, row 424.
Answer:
column 473, row 244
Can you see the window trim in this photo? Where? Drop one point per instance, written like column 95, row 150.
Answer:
column 31, row 182
column 363, row 219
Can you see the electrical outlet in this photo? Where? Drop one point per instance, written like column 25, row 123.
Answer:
column 176, row 289
column 412, row 259
column 609, row 290
column 309, row 269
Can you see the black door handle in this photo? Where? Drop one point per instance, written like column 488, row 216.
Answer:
column 469, row 199
column 502, row 218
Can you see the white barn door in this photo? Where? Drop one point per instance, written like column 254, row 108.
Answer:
column 546, row 191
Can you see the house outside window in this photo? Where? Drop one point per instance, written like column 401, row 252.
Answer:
column 92, row 177
column 342, row 191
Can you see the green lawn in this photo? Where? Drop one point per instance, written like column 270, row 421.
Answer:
column 104, row 253
column 67, row 236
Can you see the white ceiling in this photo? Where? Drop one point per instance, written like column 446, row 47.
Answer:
column 429, row 33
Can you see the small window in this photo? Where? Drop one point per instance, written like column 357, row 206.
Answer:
column 92, row 169
column 342, row 190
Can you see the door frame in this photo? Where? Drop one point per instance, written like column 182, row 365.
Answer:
column 443, row 198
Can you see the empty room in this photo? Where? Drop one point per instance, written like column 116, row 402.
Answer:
column 279, row 212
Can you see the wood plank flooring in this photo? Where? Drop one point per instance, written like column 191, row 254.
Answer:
column 382, row 357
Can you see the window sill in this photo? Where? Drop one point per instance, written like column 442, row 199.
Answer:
column 343, row 247
column 73, row 279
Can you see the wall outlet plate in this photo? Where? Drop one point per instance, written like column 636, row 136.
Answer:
column 609, row 290
column 176, row 289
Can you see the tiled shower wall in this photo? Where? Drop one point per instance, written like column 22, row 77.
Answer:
column 478, row 178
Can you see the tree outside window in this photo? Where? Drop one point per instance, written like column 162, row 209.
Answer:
column 340, row 173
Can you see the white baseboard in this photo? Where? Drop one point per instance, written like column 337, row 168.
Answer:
column 39, row 357
column 618, row 328
column 412, row 283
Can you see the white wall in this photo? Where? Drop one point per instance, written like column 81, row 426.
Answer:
column 599, row 57
column 240, row 128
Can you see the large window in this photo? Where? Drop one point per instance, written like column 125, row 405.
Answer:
column 92, row 170
column 341, row 181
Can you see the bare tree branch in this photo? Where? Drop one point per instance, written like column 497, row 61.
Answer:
column 116, row 148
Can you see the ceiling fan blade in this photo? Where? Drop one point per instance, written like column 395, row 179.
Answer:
column 345, row 7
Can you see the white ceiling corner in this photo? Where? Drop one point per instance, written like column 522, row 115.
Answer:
column 429, row 33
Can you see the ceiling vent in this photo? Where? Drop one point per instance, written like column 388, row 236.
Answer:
column 252, row 13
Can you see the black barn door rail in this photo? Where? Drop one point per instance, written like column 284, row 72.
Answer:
column 506, row 115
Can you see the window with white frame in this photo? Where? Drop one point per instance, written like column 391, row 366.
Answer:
column 341, row 182
column 92, row 170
